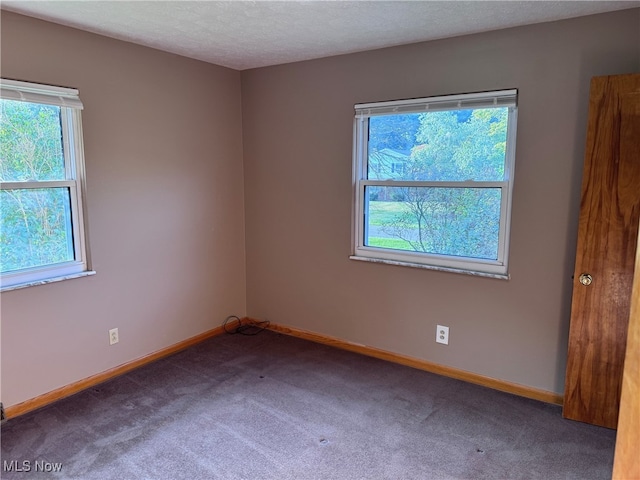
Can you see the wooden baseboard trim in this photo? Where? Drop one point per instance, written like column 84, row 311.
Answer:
column 501, row 385
column 68, row 390
column 62, row 392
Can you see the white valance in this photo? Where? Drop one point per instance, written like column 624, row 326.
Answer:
column 500, row 98
column 37, row 93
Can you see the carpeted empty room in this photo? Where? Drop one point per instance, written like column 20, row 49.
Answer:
column 271, row 406
column 424, row 212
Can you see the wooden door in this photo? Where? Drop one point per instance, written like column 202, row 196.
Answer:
column 626, row 464
column 607, row 238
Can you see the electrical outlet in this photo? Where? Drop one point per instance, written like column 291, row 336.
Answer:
column 442, row 334
column 113, row 336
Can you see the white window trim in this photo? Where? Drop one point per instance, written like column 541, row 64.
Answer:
column 71, row 125
column 473, row 266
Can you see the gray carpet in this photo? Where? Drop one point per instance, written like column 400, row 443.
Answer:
column 276, row 407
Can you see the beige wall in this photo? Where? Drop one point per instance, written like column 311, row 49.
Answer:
column 163, row 145
column 297, row 127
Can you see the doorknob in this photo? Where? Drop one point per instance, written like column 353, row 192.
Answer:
column 586, row 279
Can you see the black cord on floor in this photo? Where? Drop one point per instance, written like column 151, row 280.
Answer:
column 250, row 328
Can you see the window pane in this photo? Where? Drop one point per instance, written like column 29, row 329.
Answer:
column 35, row 228
column 30, row 142
column 452, row 145
column 446, row 221
column 391, row 139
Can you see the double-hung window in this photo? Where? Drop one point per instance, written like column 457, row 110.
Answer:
column 433, row 180
column 42, row 227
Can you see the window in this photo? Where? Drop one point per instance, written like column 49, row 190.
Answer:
column 42, row 234
column 433, row 179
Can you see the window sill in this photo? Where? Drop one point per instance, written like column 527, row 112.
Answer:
column 430, row 267
column 8, row 288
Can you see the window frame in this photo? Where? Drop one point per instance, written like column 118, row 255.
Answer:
column 68, row 100
column 468, row 265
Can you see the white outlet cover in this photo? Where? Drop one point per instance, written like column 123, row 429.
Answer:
column 113, row 336
column 442, row 334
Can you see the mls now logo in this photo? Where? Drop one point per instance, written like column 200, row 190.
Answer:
column 28, row 466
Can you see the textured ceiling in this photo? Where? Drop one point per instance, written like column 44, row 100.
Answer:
column 248, row 34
